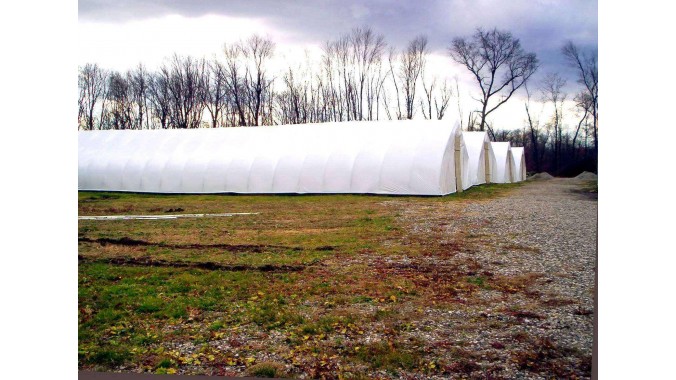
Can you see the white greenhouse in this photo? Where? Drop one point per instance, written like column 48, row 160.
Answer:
column 519, row 164
column 392, row 157
column 505, row 163
column 482, row 163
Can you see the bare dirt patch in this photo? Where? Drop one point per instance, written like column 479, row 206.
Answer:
column 129, row 242
column 208, row 265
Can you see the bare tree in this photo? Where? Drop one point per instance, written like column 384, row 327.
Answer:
column 139, row 83
column 584, row 105
column 426, row 103
column 352, row 76
column 535, row 134
column 391, row 58
column 551, row 89
column 440, row 104
column 159, row 96
column 457, row 94
column 376, row 91
column 119, row 99
column 92, row 84
column 498, row 63
column 234, row 82
column 104, row 117
column 366, row 50
column 345, row 82
column 215, row 91
column 586, row 65
column 81, row 106
column 186, row 89
column 412, row 64
column 258, row 50
column 331, row 74
column 293, row 102
column 306, row 97
column 503, row 135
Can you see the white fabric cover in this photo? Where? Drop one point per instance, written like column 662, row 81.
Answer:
column 384, row 157
column 474, row 141
column 464, row 162
column 493, row 164
column 505, row 163
column 519, row 164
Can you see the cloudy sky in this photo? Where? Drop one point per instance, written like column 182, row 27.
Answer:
column 118, row 34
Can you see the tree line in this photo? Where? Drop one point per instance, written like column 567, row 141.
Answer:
column 357, row 77
column 549, row 145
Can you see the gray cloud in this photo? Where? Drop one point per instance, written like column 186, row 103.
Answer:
column 541, row 25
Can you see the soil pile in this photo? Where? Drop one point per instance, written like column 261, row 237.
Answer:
column 587, row 176
column 541, row 176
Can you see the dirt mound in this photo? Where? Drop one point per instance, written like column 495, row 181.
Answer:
column 587, row 176
column 541, row 176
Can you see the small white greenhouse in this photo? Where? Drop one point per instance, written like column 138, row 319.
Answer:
column 482, row 162
column 519, row 164
column 505, row 163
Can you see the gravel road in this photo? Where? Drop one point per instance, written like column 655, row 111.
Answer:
column 539, row 242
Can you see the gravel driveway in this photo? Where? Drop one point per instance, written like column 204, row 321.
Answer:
column 539, row 245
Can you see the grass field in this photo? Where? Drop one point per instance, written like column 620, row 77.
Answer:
column 302, row 287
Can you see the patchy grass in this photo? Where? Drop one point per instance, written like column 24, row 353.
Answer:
column 479, row 281
column 267, row 369
column 588, row 188
column 591, row 187
column 485, row 191
column 388, row 356
column 295, row 289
